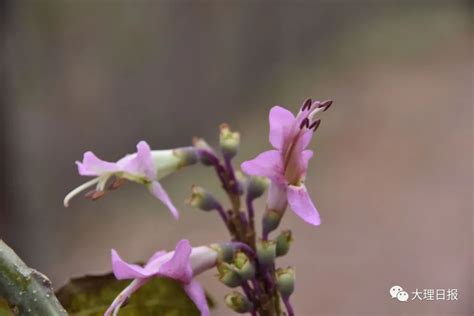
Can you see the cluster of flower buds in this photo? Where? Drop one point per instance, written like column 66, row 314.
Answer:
column 244, row 262
column 235, row 272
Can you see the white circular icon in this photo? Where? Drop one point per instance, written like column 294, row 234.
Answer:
column 402, row 296
column 394, row 290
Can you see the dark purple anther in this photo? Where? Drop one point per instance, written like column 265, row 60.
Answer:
column 325, row 104
column 307, row 105
column 315, row 125
column 305, row 123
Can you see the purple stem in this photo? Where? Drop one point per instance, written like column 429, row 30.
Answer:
column 220, row 170
column 265, row 235
column 222, row 213
column 256, row 286
column 243, row 219
column 244, row 247
column 269, row 280
column 248, row 293
column 251, row 211
column 230, row 170
column 288, row 306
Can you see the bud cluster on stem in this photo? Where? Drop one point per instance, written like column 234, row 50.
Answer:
column 248, row 261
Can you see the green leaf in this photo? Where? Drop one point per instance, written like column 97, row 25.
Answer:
column 92, row 295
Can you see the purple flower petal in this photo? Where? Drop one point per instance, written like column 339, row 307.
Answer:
column 123, row 270
column 157, row 190
column 303, row 161
column 93, row 166
column 197, row 295
column 155, row 257
column 281, row 126
column 267, row 164
column 141, row 163
column 300, row 202
column 179, row 267
column 277, row 200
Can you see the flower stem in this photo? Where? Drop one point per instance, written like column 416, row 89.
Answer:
column 26, row 289
column 251, row 217
column 288, row 307
column 223, row 215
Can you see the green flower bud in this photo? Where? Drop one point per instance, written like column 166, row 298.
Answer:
column 285, row 281
column 243, row 266
column 228, row 275
column 238, row 303
column 256, row 186
column 225, row 252
column 270, row 221
column 283, row 243
column 229, row 141
column 266, row 252
column 202, row 199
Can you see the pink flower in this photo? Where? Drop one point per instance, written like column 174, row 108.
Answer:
column 181, row 265
column 139, row 167
column 287, row 164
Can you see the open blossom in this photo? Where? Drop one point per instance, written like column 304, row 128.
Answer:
column 181, row 265
column 144, row 167
column 287, row 164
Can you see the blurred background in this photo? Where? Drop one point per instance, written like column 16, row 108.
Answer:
column 392, row 172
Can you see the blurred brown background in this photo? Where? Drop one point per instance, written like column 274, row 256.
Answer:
column 392, row 175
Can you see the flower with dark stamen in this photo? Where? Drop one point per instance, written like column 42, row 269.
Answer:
column 287, row 164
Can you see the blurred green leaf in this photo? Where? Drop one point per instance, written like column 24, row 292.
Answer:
column 92, row 295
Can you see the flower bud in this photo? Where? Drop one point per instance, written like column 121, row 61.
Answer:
column 205, row 152
column 224, row 251
column 228, row 275
column 243, row 266
column 202, row 199
column 238, row 303
column 229, row 141
column 270, row 221
column 266, row 252
column 256, row 186
column 172, row 160
column 283, row 243
column 285, row 281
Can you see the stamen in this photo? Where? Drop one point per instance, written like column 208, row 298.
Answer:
column 325, row 104
column 103, row 181
column 95, row 195
column 79, row 189
column 116, row 183
column 307, row 105
column 89, row 194
column 315, row 125
column 304, row 123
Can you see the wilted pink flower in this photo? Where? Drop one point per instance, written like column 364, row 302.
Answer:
column 181, row 265
column 287, row 164
column 139, row 167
